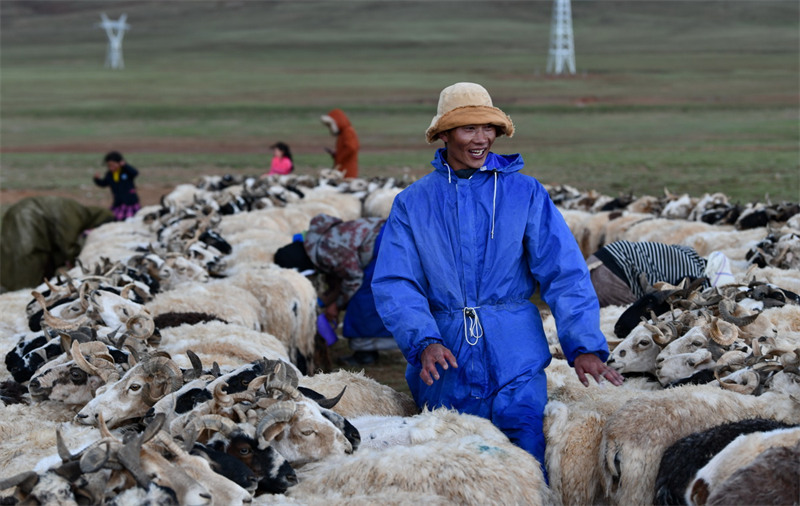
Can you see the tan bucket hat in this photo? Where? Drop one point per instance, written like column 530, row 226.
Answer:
column 466, row 104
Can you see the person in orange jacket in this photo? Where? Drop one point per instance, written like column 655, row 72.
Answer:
column 345, row 157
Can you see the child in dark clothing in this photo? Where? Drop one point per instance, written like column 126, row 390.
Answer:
column 119, row 177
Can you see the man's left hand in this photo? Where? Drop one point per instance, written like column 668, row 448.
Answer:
column 589, row 363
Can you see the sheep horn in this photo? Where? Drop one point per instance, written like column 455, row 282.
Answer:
column 140, row 326
column 93, row 459
column 126, row 290
column 95, row 349
column 727, row 308
column 54, row 322
column 721, row 336
column 63, row 451
column 331, row 402
column 81, row 362
column 221, row 397
column 747, row 388
column 658, row 335
column 217, row 423
column 280, row 412
column 166, row 378
column 197, row 366
column 27, row 480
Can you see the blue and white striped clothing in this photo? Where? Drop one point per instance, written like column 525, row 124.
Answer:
column 668, row 263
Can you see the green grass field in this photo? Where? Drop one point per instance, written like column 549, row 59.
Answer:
column 695, row 96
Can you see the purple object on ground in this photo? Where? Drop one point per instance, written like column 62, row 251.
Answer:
column 326, row 330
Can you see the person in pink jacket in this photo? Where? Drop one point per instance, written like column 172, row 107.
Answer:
column 282, row 163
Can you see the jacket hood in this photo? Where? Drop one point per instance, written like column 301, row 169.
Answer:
column 340, row 118
column 501, row 163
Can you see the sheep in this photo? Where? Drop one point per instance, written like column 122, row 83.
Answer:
column 28, row 435
column 672, row 368
column 636, row 353
column 686, row 456
column 636, row 435
column 461, row 458
column 378, row 203
column 364, row 396
column 228, row 345
column 348, row 205
column 223, row 491
column 12, row 307
column 272, row 471
column 740, row 452
column 74, row 381
column 130, row 397
column 291, row 309
column 573, row 424
column 223, row 300
column 771, row 478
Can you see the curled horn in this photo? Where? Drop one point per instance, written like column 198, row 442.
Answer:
column 658, row 335
column 126, row 290
column 108, row 373
column 140, row 326
column 216, row 423
column 748, row 387
column 280, row 412
column 728, row 307
column 164, row 377
column 722, row 332
column 58, row 323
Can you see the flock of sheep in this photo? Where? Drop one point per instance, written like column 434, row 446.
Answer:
column 176, row 364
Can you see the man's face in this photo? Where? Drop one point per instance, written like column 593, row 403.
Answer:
column 113, row 166
column 467, row 146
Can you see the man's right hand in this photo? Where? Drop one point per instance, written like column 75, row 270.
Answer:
column 435, row 354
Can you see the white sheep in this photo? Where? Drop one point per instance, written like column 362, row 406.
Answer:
column 223, row 300
column 363, row 396
column 462, row 458
column 636, row 435
column 228, row 345
column 290, row 307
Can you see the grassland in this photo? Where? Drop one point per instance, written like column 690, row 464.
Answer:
column 695, row 96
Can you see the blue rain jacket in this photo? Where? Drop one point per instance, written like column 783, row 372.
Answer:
column 458, row 264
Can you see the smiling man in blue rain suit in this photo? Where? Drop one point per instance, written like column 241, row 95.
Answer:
column 462, row 253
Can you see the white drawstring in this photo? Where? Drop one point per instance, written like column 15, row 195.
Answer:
column 494, row 199
column 474, row 329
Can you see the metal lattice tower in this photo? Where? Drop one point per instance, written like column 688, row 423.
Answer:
column 561, row 57
column 115, row 31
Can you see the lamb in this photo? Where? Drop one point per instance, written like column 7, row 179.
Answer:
column 685, row 457
column 636, row 435
column 740, row 452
